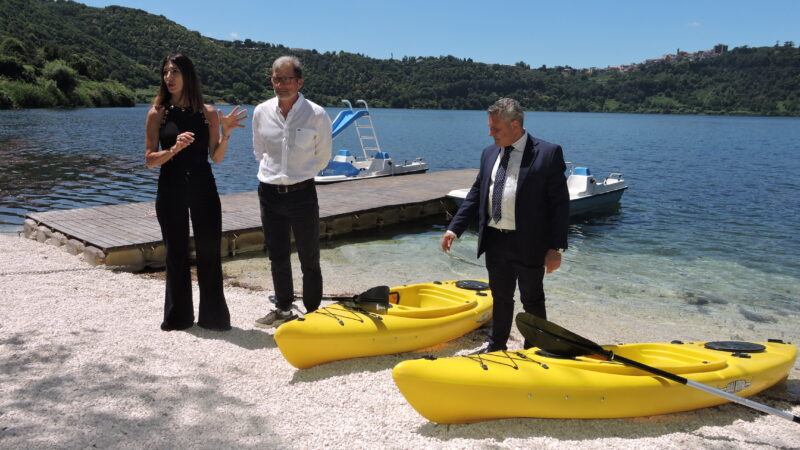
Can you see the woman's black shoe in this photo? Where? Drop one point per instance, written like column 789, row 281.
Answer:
column 166, row 326
column 215, row 327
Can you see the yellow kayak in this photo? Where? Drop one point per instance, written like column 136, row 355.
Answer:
column 417, row 316
column 530, row 383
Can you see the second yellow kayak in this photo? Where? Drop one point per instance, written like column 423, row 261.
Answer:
column 526, row 383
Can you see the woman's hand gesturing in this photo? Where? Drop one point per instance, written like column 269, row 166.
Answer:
column 232, row 120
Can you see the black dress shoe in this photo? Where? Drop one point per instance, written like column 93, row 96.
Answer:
column 486, row 349
column 166, row 326
column 215, row 327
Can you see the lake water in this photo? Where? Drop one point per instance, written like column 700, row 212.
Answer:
column 709, row 223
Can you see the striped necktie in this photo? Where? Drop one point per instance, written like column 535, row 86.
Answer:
column 500, row 183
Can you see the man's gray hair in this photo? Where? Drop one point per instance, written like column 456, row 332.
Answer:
column 507, row 109
column 289, row 61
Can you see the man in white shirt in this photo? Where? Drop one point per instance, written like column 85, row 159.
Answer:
column 521, row 201
column 292, row 142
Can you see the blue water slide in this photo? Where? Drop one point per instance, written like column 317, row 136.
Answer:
column 581, row 171
column 345, row 119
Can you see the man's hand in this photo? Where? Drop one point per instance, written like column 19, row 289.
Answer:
column 447, row 240
column 552, row 261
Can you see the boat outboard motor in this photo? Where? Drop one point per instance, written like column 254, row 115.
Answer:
column 580, row 182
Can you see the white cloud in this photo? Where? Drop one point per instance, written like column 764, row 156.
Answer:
column 694, row 24
column 235, row 35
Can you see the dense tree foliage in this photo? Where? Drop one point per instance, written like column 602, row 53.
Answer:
column 127, row 46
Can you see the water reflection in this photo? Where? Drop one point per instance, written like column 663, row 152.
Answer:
column 34, row 178
column 705, row 214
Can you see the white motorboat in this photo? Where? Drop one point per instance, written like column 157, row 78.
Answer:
column 375, row 163
column 586, row 193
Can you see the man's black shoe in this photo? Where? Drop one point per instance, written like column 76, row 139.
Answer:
column 486, row 349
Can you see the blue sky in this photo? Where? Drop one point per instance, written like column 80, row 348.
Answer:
column 567, row 33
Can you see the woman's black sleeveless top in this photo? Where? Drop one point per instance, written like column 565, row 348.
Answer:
column 176, row 121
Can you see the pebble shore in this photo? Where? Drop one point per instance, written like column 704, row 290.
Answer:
column 84, row 364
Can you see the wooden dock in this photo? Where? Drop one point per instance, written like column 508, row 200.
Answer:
column 128, row 235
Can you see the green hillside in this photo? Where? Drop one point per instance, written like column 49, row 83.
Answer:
column 76, row 55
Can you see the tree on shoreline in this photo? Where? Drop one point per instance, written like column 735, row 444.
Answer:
column 122, row 47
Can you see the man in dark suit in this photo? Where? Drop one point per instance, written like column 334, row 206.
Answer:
column 521, row 201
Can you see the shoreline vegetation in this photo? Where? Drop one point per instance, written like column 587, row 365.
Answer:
column 66, row 54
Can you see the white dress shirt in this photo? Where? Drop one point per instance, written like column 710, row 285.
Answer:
column 508, row 206
column 291, row 149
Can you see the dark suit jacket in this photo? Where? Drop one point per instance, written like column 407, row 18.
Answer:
column 542, row 201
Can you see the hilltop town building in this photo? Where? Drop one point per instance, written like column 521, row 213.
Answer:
column 678, row 56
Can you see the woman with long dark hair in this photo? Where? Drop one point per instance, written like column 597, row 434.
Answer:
column 181, row 134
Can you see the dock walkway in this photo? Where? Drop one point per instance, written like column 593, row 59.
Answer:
column 128, row 235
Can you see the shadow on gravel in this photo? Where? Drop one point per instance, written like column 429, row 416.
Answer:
column 250, row 339
column 119, row 402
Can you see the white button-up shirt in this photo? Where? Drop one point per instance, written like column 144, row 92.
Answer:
column 508, row 206
column 291, row 149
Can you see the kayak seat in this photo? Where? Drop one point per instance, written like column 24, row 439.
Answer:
column 425, row 301
column 677, row 359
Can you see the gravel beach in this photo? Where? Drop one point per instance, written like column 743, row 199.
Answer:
column 84, row 364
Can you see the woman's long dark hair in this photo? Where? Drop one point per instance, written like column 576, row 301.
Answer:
column 192, row 91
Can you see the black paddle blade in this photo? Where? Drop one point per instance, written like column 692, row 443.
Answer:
column 553, row 338
column 378, row 294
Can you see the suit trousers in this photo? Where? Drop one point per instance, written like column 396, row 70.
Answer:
column 185, row 193
column 282, row 214
column 506, row 269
